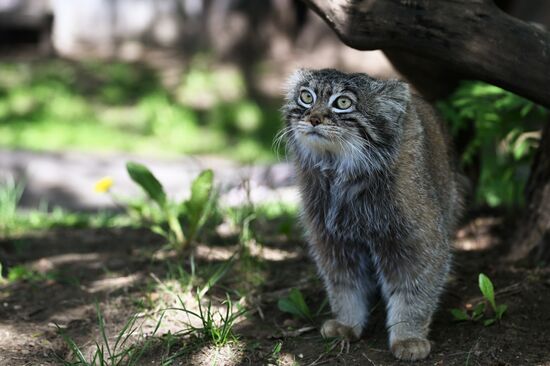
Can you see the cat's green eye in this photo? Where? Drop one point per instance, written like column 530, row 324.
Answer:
column 306, row 97
column 342, row 103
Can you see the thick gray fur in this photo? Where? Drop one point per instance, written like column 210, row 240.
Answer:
column 380, row 201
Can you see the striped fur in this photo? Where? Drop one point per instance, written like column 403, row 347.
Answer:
column 380, row 201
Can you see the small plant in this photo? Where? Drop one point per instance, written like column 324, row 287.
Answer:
column 195, row 210
column 480, row 311
column 296, row 305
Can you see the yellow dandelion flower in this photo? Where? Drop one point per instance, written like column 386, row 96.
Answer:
column 103, row 185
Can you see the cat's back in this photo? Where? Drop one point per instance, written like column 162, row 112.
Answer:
column 428, row 184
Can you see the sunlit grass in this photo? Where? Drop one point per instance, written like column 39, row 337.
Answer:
column 58, row 105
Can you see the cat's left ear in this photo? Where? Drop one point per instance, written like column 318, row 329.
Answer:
column 295, row 79
column 393, row 99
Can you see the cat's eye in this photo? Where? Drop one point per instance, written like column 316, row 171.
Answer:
column 342, row 102
column 306, row 97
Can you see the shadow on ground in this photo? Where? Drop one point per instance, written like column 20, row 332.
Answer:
column 114, row 267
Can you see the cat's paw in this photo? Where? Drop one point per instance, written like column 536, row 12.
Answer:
column 333, row 328
column 411, row 349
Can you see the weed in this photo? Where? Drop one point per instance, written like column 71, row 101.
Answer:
column 480, row 310
column 195, row 210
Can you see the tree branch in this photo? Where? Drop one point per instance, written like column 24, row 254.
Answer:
column 471, row 37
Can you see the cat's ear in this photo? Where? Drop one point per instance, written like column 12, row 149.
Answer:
column 393, row 98
column 294, row 80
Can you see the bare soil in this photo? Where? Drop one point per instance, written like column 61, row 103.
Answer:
column 114, row 267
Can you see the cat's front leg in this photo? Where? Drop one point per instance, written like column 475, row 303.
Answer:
column 412, row 292
column 349, row 306
column 349, row 293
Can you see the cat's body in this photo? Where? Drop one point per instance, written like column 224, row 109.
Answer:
column 380, row 200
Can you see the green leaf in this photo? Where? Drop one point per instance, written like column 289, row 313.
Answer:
column 526, row 109
column 500, row 310
column 479, row 309
column 157, row 229
column 459, row 315
column 287, row 306
column 295, row 305
column 277, row 348
column 520, row 149
column 488, row 322
column 487, row 289
column 201, row 189
column 199, row 205
column 147, row 181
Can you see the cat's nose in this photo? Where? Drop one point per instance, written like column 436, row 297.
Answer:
column 315, row 120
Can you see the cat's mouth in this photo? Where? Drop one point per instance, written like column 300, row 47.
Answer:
column 314, row 133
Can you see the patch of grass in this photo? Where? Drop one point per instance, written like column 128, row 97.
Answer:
column 43, row 218
column 14, row 221
column 124, row 351
column 24, row 273
column 10, row 194
column 217, row 326
column 181, row 281
column 60, row 105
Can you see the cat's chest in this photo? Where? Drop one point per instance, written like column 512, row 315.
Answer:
column 352, row 209
column 344, row 208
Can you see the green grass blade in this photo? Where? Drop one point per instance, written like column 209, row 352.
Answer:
column 216, row 276
column 102, row 330
column 72, row 346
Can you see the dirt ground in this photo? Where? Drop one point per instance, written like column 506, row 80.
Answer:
column 114, row 267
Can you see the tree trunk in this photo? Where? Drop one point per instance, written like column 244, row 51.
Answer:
column 533, row 235
column 473, row 38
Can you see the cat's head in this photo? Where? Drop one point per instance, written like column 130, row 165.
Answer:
column 350, row 121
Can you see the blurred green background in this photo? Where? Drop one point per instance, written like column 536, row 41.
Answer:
column 198, row 78
column 95, row 106
column 123, row 107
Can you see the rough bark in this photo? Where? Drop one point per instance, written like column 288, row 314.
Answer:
column 473, row 38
